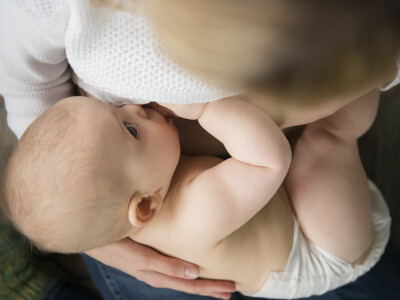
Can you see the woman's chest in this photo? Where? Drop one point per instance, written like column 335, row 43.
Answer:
column 114, row 56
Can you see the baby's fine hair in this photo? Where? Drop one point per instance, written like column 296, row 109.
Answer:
column 299, row 51
column 55, row 189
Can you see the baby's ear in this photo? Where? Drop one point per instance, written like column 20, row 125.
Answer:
column 143, row 208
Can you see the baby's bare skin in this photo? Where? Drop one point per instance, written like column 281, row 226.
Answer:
column 327, row 184
column 209, row 211
column 327, row 190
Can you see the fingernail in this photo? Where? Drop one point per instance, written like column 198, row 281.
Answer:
column 191, row 273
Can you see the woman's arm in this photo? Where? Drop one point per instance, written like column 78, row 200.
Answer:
column 34, row 70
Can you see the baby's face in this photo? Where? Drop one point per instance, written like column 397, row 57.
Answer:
column 140, row 141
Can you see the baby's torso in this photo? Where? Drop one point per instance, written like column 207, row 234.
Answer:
column 247, row 256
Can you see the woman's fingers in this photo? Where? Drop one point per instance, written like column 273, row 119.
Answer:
column 158, row 270
column 170, row 266
column 214, row 288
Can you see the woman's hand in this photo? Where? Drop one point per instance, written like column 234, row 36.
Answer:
column 159, row 270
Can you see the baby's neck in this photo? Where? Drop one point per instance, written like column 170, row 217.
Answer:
column 178, row 178
column 154, row 232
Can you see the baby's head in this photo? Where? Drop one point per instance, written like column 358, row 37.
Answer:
column 86, row 173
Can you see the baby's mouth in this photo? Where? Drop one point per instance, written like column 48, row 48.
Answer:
column 165, row 112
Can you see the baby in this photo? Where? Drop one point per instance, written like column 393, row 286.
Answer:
column 86, row 173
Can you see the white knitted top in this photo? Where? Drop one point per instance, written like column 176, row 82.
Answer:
column 112, row 55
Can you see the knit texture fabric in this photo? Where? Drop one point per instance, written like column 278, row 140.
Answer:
column 111, row 54
column 19, row 276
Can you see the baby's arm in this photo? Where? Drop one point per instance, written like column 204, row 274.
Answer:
column 224, row 197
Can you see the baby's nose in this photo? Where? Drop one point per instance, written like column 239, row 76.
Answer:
column 137, row 109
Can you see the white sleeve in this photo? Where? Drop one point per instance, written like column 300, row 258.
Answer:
column 34, row 72
column 396, row 81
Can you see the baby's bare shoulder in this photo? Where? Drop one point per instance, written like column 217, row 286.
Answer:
column 191, row 166
column 188, row 169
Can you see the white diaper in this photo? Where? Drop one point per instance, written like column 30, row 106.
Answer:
column 313, row 271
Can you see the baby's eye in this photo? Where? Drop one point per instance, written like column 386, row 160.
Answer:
column 131, row 129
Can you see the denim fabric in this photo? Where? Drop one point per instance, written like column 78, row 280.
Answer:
column 116, row 285
column 62, row 290
column 380, row 283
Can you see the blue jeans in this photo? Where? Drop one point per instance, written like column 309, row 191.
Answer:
column 116, row 285
column 60, row 289
column 380, row 283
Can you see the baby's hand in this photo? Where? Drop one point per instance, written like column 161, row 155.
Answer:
column 187, row 111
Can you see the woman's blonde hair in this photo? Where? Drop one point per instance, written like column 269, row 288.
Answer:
column 291, row 49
